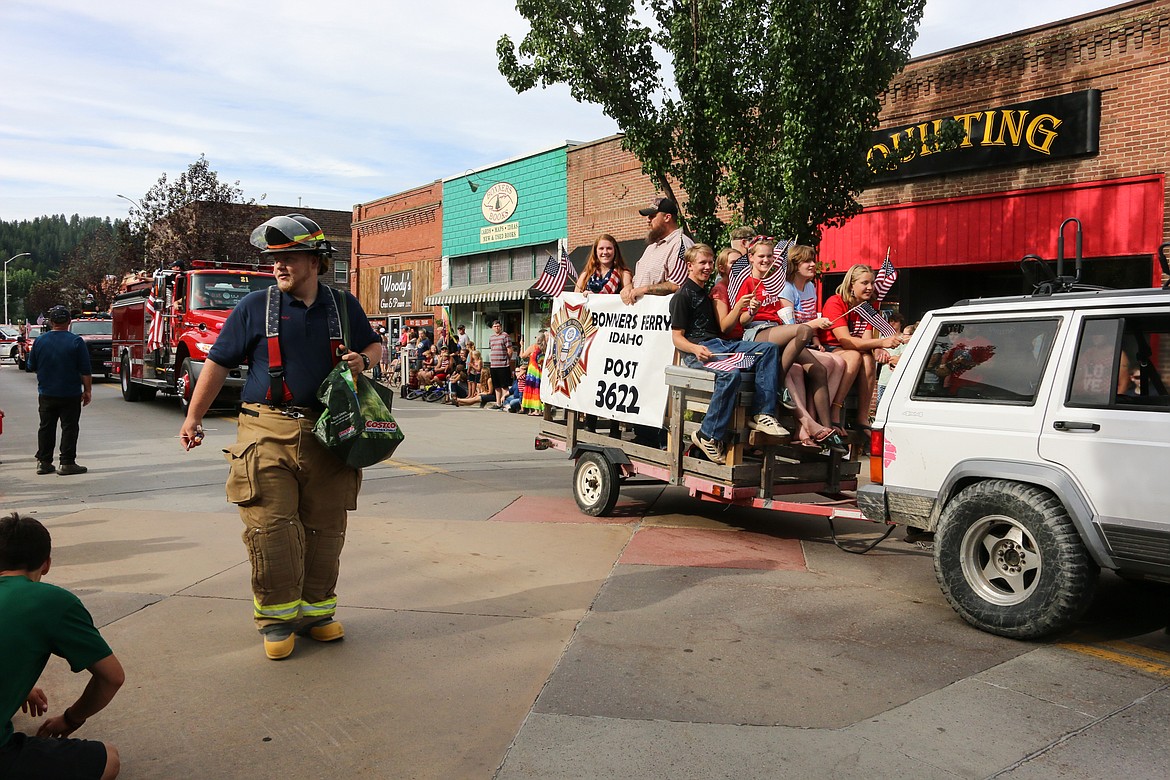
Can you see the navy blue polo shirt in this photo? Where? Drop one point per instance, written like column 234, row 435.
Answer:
column 304, row 343
column 60, row 359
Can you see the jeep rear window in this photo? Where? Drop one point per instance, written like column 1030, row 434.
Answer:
column 1122, row 362
column 989, row 361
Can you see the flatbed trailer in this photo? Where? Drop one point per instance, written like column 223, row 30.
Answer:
column 762, row 472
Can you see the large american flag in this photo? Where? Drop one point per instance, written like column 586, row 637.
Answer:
column 734, row 360
column 556, row 271
column 678, row 274
column 154, row 308
column 885, row 277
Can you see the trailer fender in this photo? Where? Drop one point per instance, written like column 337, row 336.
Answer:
column 614, row 455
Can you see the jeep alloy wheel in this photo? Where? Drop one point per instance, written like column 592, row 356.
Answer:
column 1010, row 562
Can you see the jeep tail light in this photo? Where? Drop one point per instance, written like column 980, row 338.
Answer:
column 877, row 447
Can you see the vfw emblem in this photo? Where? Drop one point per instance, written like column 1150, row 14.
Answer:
column 572, row 332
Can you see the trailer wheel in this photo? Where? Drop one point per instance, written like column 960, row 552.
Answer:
column 1010, row 561
column 595, row 484
column 185, row 385
column 130, row 391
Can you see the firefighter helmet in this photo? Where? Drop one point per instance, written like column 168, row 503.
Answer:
column 293, row 233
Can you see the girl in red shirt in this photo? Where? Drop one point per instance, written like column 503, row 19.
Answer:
column 760, row 314
column 853, row 339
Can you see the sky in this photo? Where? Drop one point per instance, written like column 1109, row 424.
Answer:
column 324, row 105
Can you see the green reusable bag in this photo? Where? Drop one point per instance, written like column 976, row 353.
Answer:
column 356, row 425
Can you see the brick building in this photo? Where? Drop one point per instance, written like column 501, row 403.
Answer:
column 397, row 244
column 1064, row 120
column 606, row 187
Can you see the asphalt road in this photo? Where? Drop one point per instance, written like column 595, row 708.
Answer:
column 527, row 641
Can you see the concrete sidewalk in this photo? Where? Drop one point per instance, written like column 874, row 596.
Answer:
column 654, row 644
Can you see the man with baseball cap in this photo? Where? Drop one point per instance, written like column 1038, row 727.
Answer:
column 663, row 241
column 64, row 386
column 661, row 260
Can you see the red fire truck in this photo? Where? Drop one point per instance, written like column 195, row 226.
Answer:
column 190, row 308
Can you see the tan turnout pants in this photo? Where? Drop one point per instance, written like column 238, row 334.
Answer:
column 293, row 495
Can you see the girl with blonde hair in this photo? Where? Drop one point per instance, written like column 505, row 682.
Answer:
column 853, row 339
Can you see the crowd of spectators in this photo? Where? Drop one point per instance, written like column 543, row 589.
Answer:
column 507, row 379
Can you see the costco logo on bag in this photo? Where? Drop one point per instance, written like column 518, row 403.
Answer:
column 381, row 426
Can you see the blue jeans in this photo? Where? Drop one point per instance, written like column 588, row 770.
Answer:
column 722, row 403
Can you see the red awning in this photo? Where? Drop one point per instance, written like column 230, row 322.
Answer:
column 1120, row 217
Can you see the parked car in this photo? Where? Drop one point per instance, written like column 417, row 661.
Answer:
column 1030, row 435
column 8, row 342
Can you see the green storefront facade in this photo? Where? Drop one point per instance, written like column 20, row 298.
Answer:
column 501, row 223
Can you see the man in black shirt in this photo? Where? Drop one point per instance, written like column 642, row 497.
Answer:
column 696, row 333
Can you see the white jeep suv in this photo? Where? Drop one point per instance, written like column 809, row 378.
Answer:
column 1031, row 434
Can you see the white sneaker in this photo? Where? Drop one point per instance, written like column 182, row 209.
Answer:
column 766, row 423
column 710, row 448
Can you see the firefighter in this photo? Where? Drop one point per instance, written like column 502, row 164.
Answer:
column 292, row 492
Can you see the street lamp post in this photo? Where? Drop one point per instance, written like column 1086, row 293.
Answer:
column 6, row 262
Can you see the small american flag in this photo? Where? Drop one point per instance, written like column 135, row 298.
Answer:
column 875, row 320
column 774, row 284
column 154, row 336
column 678, row 274
column 556, row 271
column 740, row 270
column 885, row 277
column 734, row 360
column 780, row 253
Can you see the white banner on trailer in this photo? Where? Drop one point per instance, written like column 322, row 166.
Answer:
column 609, row 359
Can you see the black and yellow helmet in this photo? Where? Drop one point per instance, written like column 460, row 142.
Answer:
column 293, row 233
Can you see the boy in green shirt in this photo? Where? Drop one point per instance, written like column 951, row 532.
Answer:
column 38, row 620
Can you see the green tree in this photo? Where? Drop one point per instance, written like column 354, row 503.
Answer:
column 20, row 282
column 189, row 217
column 44, row 295
column 92, row 275
column 765, row 104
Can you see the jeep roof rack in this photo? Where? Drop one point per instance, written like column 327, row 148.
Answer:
column 1044, row 282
